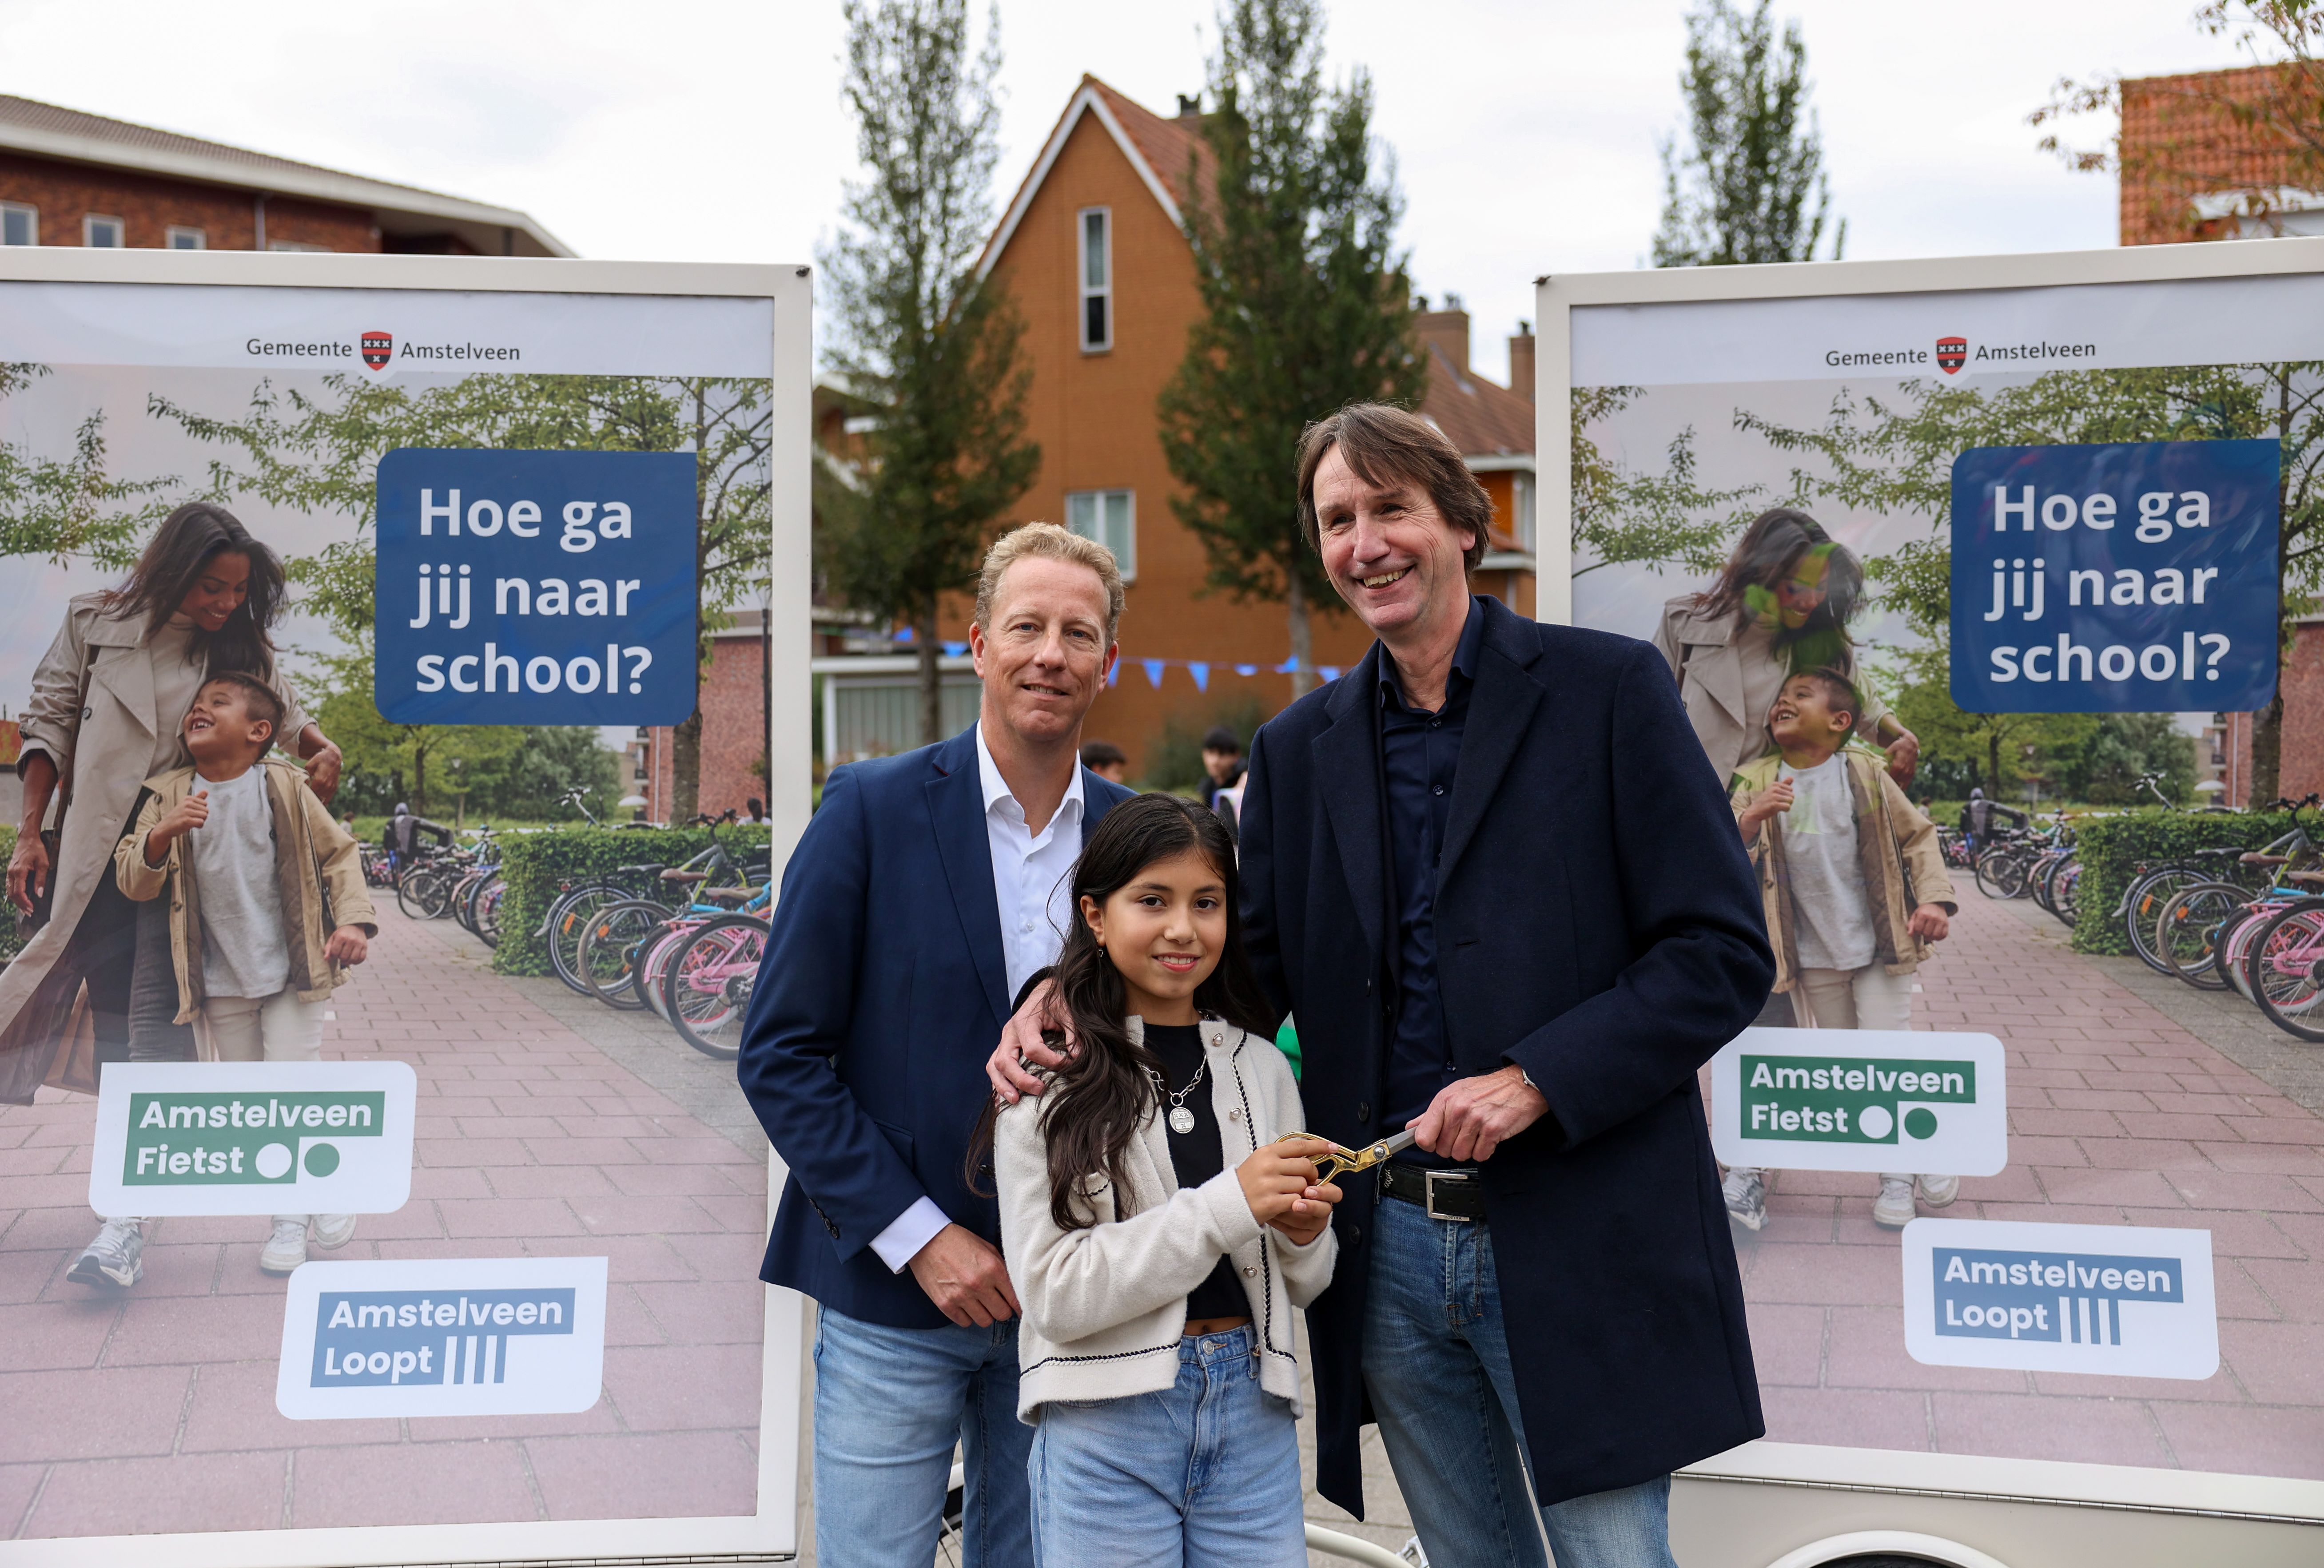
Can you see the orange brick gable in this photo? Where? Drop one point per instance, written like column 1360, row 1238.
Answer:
column 1094, row 416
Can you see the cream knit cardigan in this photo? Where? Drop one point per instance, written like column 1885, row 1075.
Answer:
column 1106, row 1306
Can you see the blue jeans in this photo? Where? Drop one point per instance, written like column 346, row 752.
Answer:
column 1437, row 1366
column 889, row 1403
column 1204, row 1474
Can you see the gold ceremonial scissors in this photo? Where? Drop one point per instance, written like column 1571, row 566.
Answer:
column 1331, row 1167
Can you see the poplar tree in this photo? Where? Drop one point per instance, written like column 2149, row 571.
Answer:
column 1304, row 301
column 917, row 331
column 1750, row 185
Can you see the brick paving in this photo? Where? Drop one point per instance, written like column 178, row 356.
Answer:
column 2119, row 1115
column 153, row 1409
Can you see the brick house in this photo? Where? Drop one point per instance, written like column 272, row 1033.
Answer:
column 2193, row 168
column 71, row 178
column 1094, row 249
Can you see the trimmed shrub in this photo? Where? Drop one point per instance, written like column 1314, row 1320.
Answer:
column 2112, row 849
column 538, row 866
column 12, row 940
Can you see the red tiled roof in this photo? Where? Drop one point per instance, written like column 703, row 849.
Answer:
column 1480, row 419
column 35, row 116
column 1173, row 149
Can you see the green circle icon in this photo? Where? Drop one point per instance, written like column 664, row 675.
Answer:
column 1920, row 1122
column 322, row 1159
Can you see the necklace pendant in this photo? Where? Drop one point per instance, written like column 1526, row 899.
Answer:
column 1181, row 1120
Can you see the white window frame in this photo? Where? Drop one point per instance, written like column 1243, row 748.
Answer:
column 31, row 217
column 176, row 232
column 1521, row 509
column 1125, row 553
column 1084, row 291
column 88, row 223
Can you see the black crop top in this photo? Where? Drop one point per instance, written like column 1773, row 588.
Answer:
column 1195, row 1155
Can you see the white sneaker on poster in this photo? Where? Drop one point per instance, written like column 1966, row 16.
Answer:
column 333, row 1232
column 1746, row 1192
column 1893, row 1207
column 286, row 1249
column 1938, row 1191
column 117, row 1256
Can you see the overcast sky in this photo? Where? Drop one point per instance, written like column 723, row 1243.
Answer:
column 1524, row 133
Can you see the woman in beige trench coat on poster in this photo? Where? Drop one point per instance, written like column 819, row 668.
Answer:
column 1781, row 604
column 107, row 700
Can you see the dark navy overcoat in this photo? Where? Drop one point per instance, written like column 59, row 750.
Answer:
column 1597, row 924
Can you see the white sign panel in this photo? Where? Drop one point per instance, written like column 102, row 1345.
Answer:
column 253, row 1138
column 1861, row 1099
column 468, row 1336
column 2122, row 1300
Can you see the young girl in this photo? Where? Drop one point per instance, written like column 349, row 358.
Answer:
column 1158, row 1233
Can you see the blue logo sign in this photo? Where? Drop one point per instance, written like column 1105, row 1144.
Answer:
column 536, row 587
column 374, row 1338
column 2135, row 578
column 2058, row 1297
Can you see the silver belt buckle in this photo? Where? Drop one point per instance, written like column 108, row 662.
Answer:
column 1430, row 1178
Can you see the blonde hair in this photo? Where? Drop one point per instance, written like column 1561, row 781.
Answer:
column 1048, row 542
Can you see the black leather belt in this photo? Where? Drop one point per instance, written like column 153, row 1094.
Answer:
column 1446, row 1195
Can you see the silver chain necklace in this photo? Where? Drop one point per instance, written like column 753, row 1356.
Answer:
column 1181, row 1120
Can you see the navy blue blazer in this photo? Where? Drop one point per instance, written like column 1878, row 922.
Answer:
column 882, row 992
column 1599, row 925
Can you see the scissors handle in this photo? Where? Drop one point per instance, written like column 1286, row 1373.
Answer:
column 1333, row 1166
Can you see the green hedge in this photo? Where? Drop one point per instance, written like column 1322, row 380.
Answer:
column 537, row 866
column 11, row 942
column 2112, row 848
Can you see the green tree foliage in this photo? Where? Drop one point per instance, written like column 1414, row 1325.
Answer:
column 1622, row 515
column 320, row 454
column 472, row 771
column 69, row 508
column 2127, row 745
column 1997, row 752
column 916, row 329
column 1750, row 186
column 1304, row 301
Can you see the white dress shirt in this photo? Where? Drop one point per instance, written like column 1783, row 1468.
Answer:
column 1031, row 890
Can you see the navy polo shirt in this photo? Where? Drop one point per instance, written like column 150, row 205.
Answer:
column 1419, row 752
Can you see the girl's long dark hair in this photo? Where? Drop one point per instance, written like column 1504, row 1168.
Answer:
column 1770, row 550
column 172, row 563
column 1103, row 1093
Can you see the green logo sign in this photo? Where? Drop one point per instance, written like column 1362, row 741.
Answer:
column 1848, row 1100
column 180, row 1139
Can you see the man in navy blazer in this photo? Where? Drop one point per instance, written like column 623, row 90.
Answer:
column 1491, row 873
column 924, row 891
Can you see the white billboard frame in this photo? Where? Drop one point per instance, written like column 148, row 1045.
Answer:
column 772, row 1532
column 2256, row 1501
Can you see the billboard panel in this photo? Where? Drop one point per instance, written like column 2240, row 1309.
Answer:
column 446, row 1263
column 2118, row 1310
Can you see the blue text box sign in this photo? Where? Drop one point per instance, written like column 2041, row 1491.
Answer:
column 536, row 587
column 2132, row 578
column 441, row 1337
column 2122, row 1300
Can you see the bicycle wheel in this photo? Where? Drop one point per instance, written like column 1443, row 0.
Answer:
column 2143, row 903
column 2187, row 928
column 426, row 894
column 653, row 969
column 609, row 950
column 2235, row 945
column 568, row 917
column 707, row 987
column 2063, row 885
column 486, row 921
column 2286, row 976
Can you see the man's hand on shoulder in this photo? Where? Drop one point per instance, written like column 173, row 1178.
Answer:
column 964, row 1276
column 1021, row 1048
column 1470, row 1119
